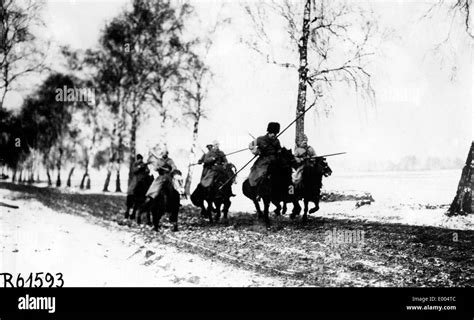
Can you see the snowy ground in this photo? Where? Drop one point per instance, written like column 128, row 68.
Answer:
column 409, row 240
column 91, row 252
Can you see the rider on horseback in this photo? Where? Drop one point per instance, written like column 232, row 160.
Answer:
column 213, row 161
column 304, row 154
column 136, row 184
column 164, row 166
column 266, row 147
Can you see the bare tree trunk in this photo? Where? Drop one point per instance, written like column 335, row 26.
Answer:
column 462, row 203
column 84, row 176
column 21, row 176
column 117, row 179
column 187, row 183
column 58, row 179
column 119, row 150
column 50, row 182
column 14, row 175
column 303, row 71
column 107, row 180
column 133, row 136
column 88, row 183
column 71, row 171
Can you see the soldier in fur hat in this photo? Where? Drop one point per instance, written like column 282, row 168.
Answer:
column 266, row 147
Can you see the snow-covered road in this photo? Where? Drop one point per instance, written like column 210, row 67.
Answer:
column 92, row 252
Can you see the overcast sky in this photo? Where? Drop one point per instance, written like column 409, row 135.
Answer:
column 423, row 105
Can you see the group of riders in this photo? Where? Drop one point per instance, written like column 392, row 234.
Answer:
column 276, row 168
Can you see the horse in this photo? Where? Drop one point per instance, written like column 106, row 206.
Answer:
column 167, row 201
column 136, row 200
column 311, row 183
column 275, row 187
column 218, row 194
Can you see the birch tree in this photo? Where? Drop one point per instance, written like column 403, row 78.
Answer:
column 326, row 42
column 21, row 53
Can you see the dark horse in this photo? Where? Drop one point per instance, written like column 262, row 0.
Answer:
column 276, row 187
column 217, row 195
column 167, row 201
column 310, row 188
column 135, row 200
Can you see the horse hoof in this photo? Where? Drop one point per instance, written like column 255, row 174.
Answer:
column 132, row 217
column 313, row 210
column 292, row 216
column 175, row 229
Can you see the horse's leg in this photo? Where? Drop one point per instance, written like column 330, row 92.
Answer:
column 257, row 207
column 129, row 203
column 136, row 206
column 209, row 211
column 174, row 219
column 145, row 207
column 305, row 212
column 296, row 209
column 225, row 210
column 218, row 210
column 277, row 210
column 284, row 208
column 316, row 202
column 266, row 207
column 157, row 214
column 203, row 209
column 148, row 218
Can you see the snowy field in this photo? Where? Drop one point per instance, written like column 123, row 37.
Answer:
column 90, row 252
column 414, row 198
column 82, row 235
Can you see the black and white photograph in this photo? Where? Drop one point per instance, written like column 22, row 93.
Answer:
column 176, row 144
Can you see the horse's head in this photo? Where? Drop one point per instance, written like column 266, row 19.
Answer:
column 285, row 158
column 323, row 167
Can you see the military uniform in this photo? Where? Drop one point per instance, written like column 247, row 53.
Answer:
column 267, row 148
column 212, row 162
column 302, row 153
column 164, row 166
column 137, row 185
column 139, row 173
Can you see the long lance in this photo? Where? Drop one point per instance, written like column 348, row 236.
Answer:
column 253, row 158
column 328, row 155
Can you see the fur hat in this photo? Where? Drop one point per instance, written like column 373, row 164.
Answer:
column 273, row 127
